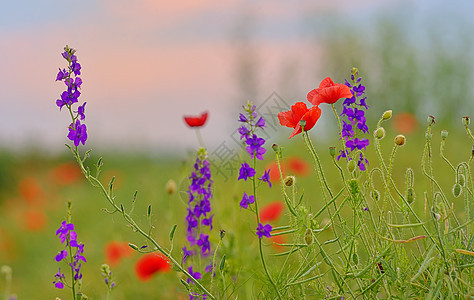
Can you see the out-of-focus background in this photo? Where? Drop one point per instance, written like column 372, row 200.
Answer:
column 145, row 63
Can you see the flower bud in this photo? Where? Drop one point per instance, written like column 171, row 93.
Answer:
column 303, row 124
column 375, row 195
column 308, row 236
column 332, row 151
column 171, row 187
column 444, row 135
column 289, row 180
column 400, row 140
column 457, row 190
column 430, row 120
column 379, row 133
column 461, row 179
column 222, row 234
column 351, row 166
column 387, row 115
column 410, row 195
column 276, row 148
column 466, row 121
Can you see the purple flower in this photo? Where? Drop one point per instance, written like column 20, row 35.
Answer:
column 195, row 275
column 61, row 255
column 203, row 242
column 78, row 134
column 242, row 118
column 207, row 222
column 246, row 171
column 264, row 230
column 62, row 74
column 186, row 254
column 356, row 143
column 266, row 177
column 254, row 147
column 347, row 130
column 81, row 110
column 59, row 277
column 260, row 123
column 244, row 132
column 246, row 200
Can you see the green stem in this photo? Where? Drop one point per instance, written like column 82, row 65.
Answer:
column 96, row 182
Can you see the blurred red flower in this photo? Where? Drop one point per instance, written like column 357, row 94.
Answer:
column 30, row 189
column 405, row 123
column 271, row 212
column 196, row 121
column 34, row 219
column 298, row 166
column 329, row 92
column 278, row 239
column 66, row 173
column 274, row 172
column 298, row 112
column 150, row 264
column 115, row 251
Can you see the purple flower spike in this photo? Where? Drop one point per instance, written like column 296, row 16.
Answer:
column 266, row 177
column 264, row 230
column 78, row 134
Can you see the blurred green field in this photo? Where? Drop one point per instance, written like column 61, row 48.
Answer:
column 33, row 204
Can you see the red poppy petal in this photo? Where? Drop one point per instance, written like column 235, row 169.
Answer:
column 311, row 117
column 327, row 82
column 271, row 212
column 299, row 166
column 150, row 264
column 286, row 118
column 198, row 121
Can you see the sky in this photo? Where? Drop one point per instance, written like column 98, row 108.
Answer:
column 146, row 63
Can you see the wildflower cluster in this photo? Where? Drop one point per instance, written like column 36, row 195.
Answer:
column 72, row 250
column 107, row 275
column 70, row 76
column 254, row 148
column 354, row 113
column 199, row 208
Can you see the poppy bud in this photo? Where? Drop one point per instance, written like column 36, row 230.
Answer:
column 457, row 190
column 466, row 121
column 430, row 120
column 387, row 115
column 351, row 166
column 289, row 180
column 410, row 195
column 222, row 234
column 444, row 134
column 308, row 236
column 379, row 133
column 399, row 140
column 375, row 195
column 171, row 187
column 461, row 179
column 276, row 148
column 303, row 124
column 332, row 151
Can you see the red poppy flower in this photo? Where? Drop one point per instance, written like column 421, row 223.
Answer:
column 271, row 212
column 298, row 112
column 278, row 239
column 31, row 190
column 115, row 251
column 194, row 121
column 150, row 264
column 329, row 92
column 34, row 219
column 298, row 166
column 66, row 173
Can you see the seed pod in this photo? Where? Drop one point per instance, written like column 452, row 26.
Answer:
column 302, row 123
column 410, row 195
column 332, row 151
column 308, row 236
column 351, row 166
column 375, row 195
column 379, row 133
column 444, row 134
column 289, row 180
column 466, row 121
column 431, row 120
column 399, row 140
column 457, row 190
column 171, row 187
column 387, row 115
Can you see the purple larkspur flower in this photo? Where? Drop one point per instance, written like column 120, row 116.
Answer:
column 203, row 242
column 246, row 200
column 264, row 230
column 260, row 123
column 62, row 74
column 59, row 277
column 244, row 132
column 356, row 143
column 242, row 118
column 78, row 134
column 255, row 146
column 266, row 177
column 207, row 222
column 186, row 254
column 81, row 110
column 246, row 171
column 195, row 275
